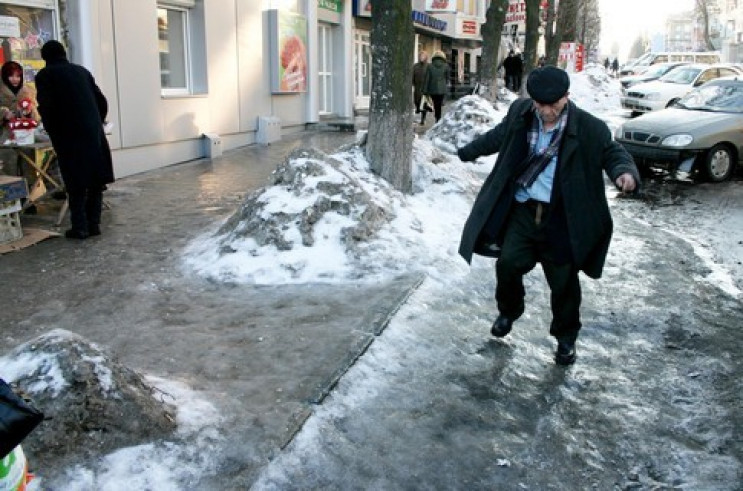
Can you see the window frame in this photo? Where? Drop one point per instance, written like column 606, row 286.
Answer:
column 185, row 34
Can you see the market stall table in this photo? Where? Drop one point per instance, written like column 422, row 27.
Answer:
column 40, row 161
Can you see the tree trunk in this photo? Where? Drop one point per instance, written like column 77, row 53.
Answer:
column 567, row 13
column 491, row 33
column 703, row 8
column 532, row 39
column 389, row 144
column 549, row 33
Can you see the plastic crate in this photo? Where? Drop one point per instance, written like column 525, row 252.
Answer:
column 10, row 221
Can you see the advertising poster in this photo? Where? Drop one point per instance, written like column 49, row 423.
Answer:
column 288, row 52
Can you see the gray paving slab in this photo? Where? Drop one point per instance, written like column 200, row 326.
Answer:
column 263, row 354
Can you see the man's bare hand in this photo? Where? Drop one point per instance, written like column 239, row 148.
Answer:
column 626, row 183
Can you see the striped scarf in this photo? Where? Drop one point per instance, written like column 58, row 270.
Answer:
column 538, row 161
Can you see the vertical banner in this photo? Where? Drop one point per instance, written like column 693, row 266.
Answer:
column 566, row 57
column 580, row 57
column 288, row 36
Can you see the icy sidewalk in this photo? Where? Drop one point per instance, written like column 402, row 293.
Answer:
column 436, row 403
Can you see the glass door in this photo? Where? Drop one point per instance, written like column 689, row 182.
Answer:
column 362, row 69
column 325, row 68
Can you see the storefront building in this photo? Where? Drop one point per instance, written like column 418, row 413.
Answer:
column 188, row 78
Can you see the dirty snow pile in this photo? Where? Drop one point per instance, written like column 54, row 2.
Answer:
column 93, row 405
column 328, row 218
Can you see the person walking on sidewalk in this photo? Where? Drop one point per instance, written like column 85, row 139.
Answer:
column 419, row 78
column 73, row 110
column 436, row 82
column 545, row 201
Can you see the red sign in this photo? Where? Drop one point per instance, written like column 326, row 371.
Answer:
column 469, row 27
column 580, row 54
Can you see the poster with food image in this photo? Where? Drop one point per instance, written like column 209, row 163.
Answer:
column 290, row 52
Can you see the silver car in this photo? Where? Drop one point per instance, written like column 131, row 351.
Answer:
column 702, row 132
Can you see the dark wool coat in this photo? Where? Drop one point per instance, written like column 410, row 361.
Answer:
column 72, row 110
column 579, row 224
column 437, row 75
column 419, row 77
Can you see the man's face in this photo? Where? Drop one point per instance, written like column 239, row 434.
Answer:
column 423, row 57
column 550, row 112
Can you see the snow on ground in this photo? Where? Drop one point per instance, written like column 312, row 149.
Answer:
column 422, row 233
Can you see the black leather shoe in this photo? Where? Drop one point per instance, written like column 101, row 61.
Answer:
column 565, row 354
column 501, row 326
column 76, row 234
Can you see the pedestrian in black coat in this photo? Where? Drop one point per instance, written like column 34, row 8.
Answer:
column 545, row 201
column 73, row 110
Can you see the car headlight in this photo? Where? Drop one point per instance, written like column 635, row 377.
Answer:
column 652, row 96
column 618, row 132
column 677, row 140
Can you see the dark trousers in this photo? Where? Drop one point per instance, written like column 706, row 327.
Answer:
column 85, row 207
column 525, row 244
column 438, row 102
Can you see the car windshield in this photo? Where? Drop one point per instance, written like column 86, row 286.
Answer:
column 725, row 97
column 656, row 70
column 681, row 75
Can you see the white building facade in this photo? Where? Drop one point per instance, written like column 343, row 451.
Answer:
column 176, row 70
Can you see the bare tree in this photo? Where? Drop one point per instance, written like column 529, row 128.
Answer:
column 588, row 25
column 703, row 11
column 639, row 46
column 491, row 32
column 532, row 37
column 550, row 34
column 389, row 144
column 564, row 28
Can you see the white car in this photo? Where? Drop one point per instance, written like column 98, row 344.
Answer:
column 661, row 93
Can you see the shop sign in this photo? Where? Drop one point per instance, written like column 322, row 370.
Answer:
column 516, row 11
column 441, row 6
column 469, row 27
column 10, row 27
column 426, row 20
column 334, row 5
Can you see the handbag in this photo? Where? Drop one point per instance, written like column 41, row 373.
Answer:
column 426, row 104
column 17, row 419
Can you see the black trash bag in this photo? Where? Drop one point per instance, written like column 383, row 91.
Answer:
column 17, row 419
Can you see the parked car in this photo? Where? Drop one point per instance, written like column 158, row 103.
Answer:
column 653, row 72
column 650, row 58
column 661, row 93
column 702, row 132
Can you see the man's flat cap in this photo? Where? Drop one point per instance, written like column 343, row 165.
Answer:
column 547, row 84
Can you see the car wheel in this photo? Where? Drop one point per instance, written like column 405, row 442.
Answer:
column 719, row 163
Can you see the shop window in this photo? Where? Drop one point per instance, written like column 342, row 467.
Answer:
column 180, row 29
column 23, row 30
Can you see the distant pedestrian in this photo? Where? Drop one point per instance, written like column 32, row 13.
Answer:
column 545, row 201
column 419, row 78
column 512, row 66
column 73, row 110
column 607, row 64
column 615, row 67
column 435, row 85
